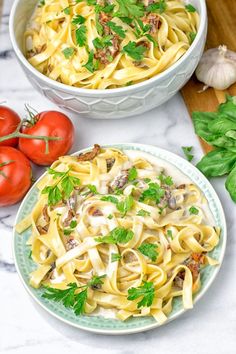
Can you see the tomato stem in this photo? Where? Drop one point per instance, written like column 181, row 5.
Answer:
column 18, row 134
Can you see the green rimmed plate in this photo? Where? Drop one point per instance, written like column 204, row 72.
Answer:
column 99, row 324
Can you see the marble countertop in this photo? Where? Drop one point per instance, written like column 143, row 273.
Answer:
column 207, row 329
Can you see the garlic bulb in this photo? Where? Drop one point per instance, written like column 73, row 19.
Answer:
column 217, row 68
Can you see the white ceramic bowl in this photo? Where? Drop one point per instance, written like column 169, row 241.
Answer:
column 113, row 103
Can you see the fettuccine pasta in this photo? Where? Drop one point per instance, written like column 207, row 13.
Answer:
column 121, row 233
column 108, row 43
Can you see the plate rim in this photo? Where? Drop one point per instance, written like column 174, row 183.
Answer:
column 151, row 326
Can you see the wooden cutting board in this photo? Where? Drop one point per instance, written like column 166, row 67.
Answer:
column 221, row 30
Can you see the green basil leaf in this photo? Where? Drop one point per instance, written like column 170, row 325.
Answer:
column 230, row 184
column 217, row 163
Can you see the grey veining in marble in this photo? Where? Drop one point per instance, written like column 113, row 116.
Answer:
column 25, row 328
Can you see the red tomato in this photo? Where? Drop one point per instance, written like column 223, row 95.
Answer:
column 15, row 175
column 51, row 124
column 9, row 121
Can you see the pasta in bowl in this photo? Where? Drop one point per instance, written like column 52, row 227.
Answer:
column 108, row 44
column 120, row 234
column 67, row 57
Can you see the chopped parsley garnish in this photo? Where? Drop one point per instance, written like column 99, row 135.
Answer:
column 91, row 2
column 100, row 43
column 151, row 39
column 187, row 152
column 41, row 3
column 66, row 10
column 169, row 234
column 108, row 8
column 115, row 257
column 68, row 231
column 132, row 174
column 192, row 36
column 129, row 8
column 70, row 297
column 153, row 193
column 125, row 205
column 80, row 36
column 167, row 180
column 117, row 29
column 117, row 235
column 110, row 198
column 66, row 184
column 126, row 20
column 190, row 8
column 134, row 50
column 149, row 250
column 143, row 212
column 159, row 7
column 110, row 216
column 193, row 210
column 30, row 254
column 68, row 52
column 145, row 291
column 91, row 64
column 147, row 180
column 92, row 188
column 78, row 20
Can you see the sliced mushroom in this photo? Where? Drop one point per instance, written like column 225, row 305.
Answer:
column 88, row 156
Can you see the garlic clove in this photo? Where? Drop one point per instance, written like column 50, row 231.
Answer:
column 217, row 68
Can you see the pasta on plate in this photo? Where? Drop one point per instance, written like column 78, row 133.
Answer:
column 117, row 230
column 108, row 43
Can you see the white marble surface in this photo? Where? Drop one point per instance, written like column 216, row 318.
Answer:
column 208, row 329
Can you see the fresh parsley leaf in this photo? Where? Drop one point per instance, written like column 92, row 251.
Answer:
column 187, row 152
column 80, row 36
column 149, row 250
column 91, row 2
column 125, row 205
column 143, row 212
column 117, row 235
column 193, row 210
column 192, row 36
column 146, row 291
column 66, row 296
column 66, row 10
column 41, row 3
column 153, row 193
column 129, row 8
column 96, row 281
column 126, row 20
column 78, row 20
column 91, row 65
column 117, row 29
column 151, row 39
column 147, row 180
column 190, row 8
column 66, row 183
column 169, row 234
column 80, row 301
column 68, row 52
column 110, row 198
column 167, row 180
column 73, row 224
column 115, row 257
column 110, row 216
column 108, row 8
column 135, row 51
column 132, row 174
column 159, row 7
column 101, row 43
column 92, row 188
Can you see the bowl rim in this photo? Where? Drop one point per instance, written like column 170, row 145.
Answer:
column 109, row 92
column 198, row 296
